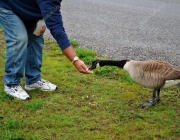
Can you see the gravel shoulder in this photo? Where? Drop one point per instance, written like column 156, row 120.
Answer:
column 139, row 30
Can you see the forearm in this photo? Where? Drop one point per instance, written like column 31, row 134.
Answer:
column 70, row 53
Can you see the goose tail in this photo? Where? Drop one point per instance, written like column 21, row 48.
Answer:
column 170, row 83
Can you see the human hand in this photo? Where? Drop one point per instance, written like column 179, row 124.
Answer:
column 39, row 28
column 43, row 29
column 81, row 67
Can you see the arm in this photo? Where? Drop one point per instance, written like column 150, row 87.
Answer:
column 50, row 10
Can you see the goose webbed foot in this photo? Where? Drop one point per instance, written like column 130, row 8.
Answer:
column 155, row 100
column 151, row 102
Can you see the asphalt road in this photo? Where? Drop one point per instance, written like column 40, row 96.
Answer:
column 131, row 29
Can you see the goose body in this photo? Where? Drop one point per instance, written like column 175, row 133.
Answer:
column 152, row 74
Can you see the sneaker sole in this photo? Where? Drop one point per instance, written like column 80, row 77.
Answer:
column 27, row 88
column 18, row 98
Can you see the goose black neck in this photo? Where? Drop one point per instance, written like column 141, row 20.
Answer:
column 112, row 63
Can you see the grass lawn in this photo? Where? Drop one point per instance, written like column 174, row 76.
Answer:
column 105, row 105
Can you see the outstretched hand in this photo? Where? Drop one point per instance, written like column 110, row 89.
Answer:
column 81, row 67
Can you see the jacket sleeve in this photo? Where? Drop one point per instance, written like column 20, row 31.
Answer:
column 51, row 13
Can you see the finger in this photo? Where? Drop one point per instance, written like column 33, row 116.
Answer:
column 86, row 70
column 43, row 30
column 84, row 66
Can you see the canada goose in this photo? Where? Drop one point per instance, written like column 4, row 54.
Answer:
column 152, row 74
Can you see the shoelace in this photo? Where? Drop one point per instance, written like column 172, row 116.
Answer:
column 42, row 81
column 15, row 89
column 45, row 81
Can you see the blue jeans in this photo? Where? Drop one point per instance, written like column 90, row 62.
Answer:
column 23, row 50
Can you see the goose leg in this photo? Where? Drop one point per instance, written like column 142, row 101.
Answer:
column 158, row 95
column 154, row 100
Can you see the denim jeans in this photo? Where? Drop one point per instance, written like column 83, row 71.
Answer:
column 23, row 50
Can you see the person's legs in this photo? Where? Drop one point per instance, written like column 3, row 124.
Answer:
column 34, row 57
column 16, row 42
column 34, row 63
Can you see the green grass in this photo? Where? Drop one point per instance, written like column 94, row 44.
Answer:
column 105, row 105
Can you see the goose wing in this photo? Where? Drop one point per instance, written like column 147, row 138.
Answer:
column 172, row 74
column 165, row 63
column 162, row 69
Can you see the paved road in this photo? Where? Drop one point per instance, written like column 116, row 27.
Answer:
column 131, row 29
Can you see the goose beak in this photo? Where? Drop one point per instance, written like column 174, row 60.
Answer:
column 94, row 65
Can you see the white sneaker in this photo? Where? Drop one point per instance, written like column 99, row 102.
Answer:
column 41, row 85
column 16, row 92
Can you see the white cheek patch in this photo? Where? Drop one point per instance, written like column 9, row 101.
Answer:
column 127, row 66
column 97, row 65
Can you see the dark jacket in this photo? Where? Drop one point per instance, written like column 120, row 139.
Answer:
column 30, row 11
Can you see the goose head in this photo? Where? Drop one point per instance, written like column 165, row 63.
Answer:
column 101, row 63
column 94, row 65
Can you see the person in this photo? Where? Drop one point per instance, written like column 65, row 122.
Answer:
column 18, row 19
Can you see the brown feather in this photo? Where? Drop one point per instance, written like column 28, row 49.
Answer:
column 152, row 73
